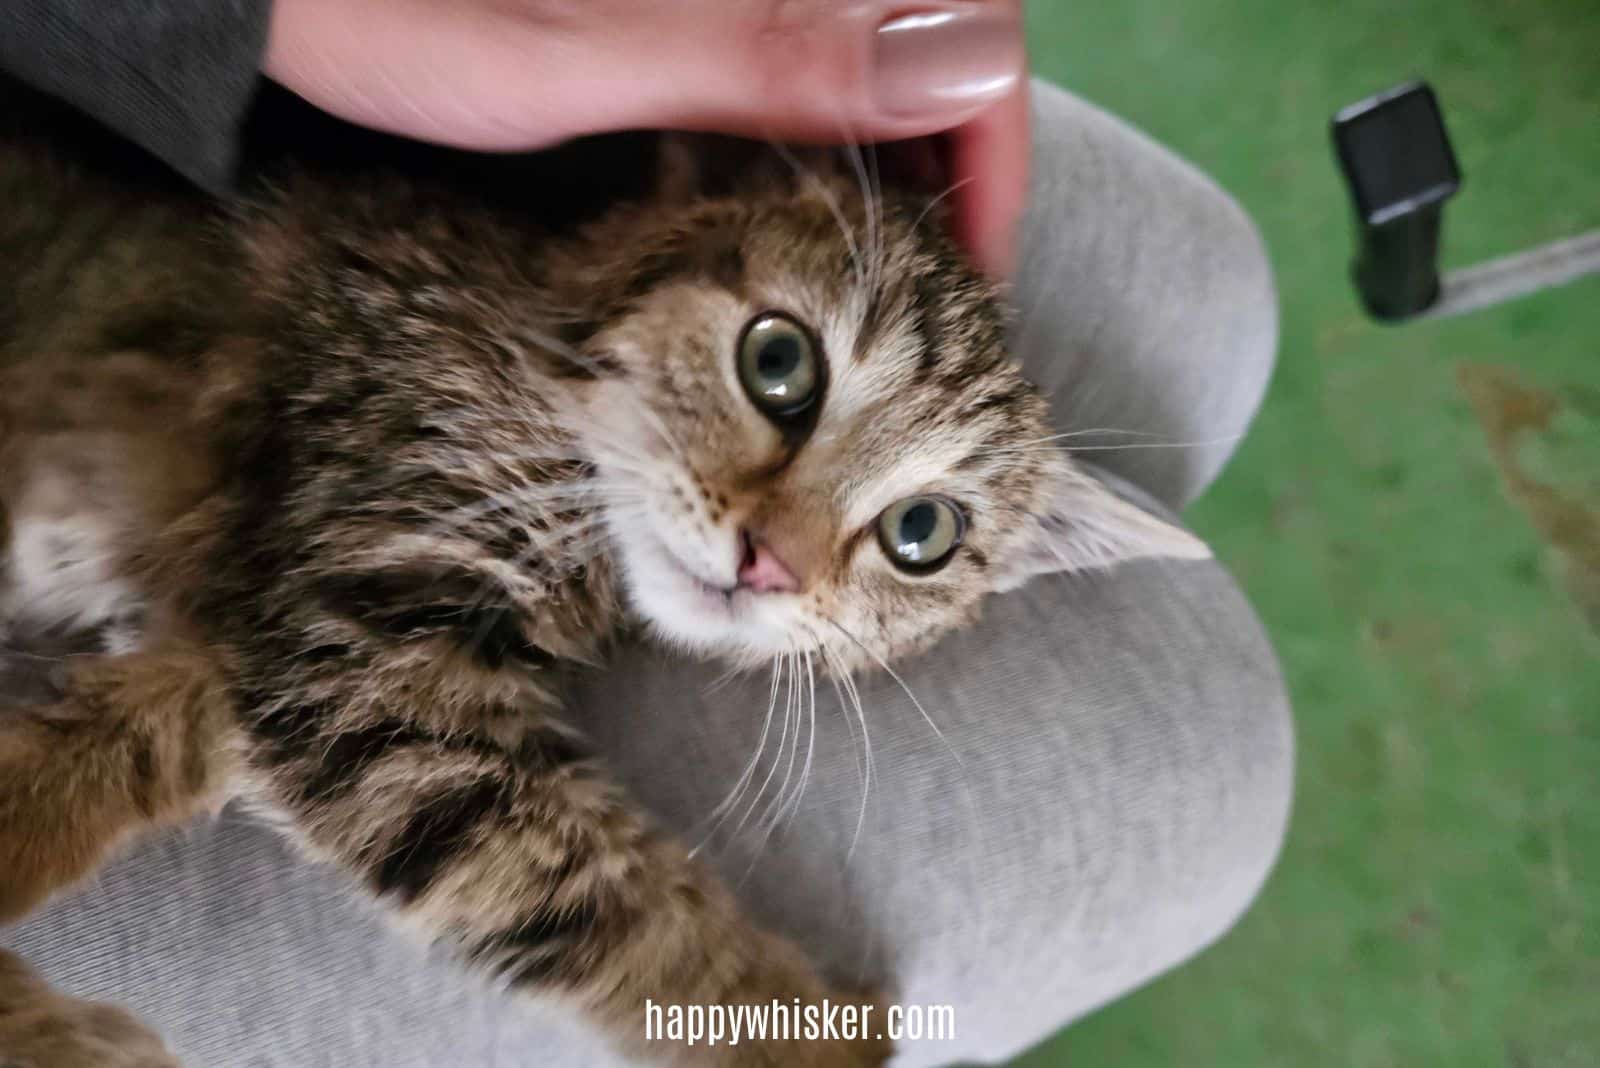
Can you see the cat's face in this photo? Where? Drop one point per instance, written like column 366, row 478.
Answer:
column 810, row 435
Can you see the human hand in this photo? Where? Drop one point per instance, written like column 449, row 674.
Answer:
column 520, row 74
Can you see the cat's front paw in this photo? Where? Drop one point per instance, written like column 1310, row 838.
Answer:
column 41, row 1028
column 867, row 1044
column 844, row 1053
column 844, row 1030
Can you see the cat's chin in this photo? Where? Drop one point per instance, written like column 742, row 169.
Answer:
column 684, row 609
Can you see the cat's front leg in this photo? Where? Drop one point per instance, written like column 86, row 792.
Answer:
column 128, row 743
column 43, row 1028
column 120, row 744
column 481, row 821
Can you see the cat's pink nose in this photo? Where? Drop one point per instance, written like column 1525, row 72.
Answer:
column 761, row 570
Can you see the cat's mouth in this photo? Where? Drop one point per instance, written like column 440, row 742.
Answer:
column 706, row 587
column 688, row 589
column 685, row 604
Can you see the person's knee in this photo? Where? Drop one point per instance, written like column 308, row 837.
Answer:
column 1135, row 794
column 1146, row 297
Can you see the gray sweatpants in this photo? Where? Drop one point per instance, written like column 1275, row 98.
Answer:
column 1104, row 793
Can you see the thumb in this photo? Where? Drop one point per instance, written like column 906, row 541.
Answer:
column 824, row 71
column 516, row 74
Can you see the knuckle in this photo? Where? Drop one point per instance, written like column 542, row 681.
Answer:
column 803, row 50
column 779, row 20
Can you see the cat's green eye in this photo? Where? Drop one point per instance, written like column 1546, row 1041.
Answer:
column 778, row 365
column 919, row 534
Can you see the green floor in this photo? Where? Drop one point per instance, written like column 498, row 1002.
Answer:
column 1438, row 902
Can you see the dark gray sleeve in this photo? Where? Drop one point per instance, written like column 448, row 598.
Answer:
column 174, row 76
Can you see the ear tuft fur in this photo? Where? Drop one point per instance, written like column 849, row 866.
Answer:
column 692, row 165
column 1083, row 526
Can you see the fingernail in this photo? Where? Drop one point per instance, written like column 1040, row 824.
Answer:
column 944, row 61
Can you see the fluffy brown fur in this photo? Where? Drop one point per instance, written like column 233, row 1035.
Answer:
column 338, row 482
column 41, row 1029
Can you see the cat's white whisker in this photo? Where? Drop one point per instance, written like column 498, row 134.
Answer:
column 819, row 187
column 805, row 715
column 772, row 811
column 521, row 498
column 949, row 191
column 772, row 770
column 964, row 777
column 809, row 710
column 554, row 345
column 875, row 208
column 1044, row 446
column 1089, row 430
column 794, row 705
column 845, row 681
column 874, row 252
column 716, row 684
column 917, row 704
column 861, row 772
column 719, row 815
column 1226, row 439
column 587, row 430
column 611, row 449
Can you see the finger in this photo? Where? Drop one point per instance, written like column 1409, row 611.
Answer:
column 523, row 73
column 818, row 70
column 990, row 158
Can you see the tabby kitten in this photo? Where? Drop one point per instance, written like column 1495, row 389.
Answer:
column 337, row 482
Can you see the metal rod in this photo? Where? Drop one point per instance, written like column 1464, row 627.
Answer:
column 1517, row 275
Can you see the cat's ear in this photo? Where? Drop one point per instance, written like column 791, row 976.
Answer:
column 693, row 165
column 1084, row 526
column 679, row 167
